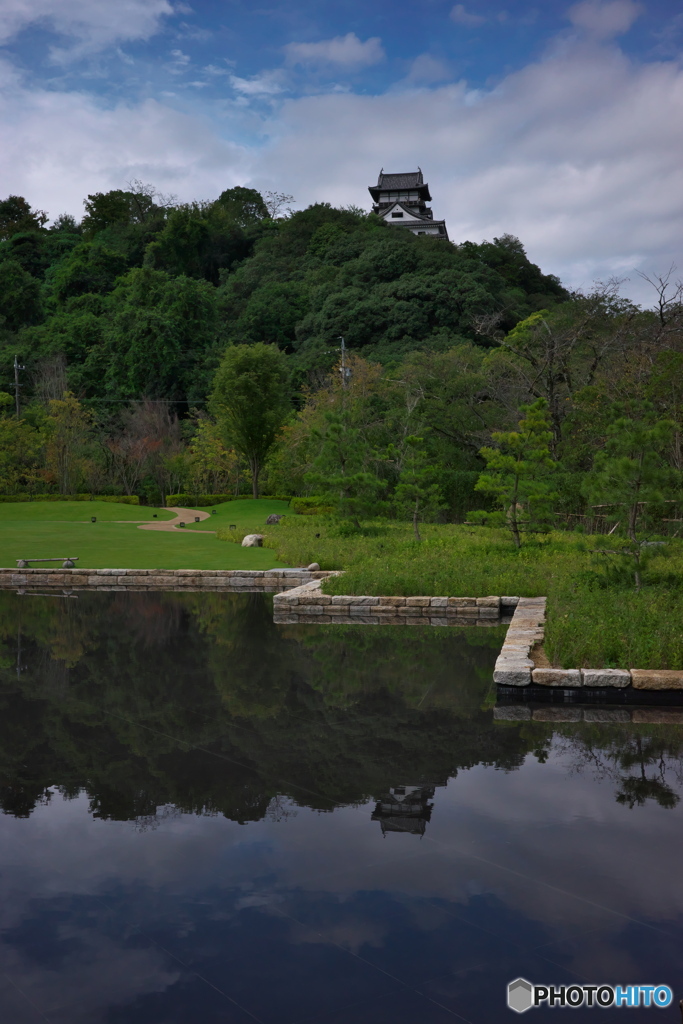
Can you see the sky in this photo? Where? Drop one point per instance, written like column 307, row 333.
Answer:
column 560, row 123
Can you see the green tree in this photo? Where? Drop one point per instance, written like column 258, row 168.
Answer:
column 20, row 449
column 251, row 401
column 340, row 471
column 632, row 470
column 418, row 494
column 19, row 296
column 69, row 429
column 518, row 471
column 16, row 215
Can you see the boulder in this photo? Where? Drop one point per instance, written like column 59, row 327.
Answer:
column 313, row 567
column 273, row 520
column 253, row 540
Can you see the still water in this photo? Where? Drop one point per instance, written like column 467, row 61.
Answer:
column 210, row 819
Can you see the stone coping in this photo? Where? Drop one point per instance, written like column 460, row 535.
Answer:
column 514, row 666
column 308, row 605
column 604, row 715
column 256, row 580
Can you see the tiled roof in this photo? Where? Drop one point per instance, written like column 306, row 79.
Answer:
column 400, row 181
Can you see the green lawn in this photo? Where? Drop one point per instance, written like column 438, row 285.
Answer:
column 247, row 514
column 60, row 529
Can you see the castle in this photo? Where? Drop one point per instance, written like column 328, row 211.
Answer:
column 400, row 200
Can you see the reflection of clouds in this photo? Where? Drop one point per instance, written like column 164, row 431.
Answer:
column 539, row 845
column 99, row 975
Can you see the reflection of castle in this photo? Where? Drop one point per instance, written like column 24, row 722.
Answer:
column 405, row 809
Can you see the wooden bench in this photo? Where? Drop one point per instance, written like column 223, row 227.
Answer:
column 67, row 563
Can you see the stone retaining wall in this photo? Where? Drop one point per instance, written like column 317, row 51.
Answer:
column 558, row 713
column 307, row 604
column 515, row 667
column 234, row 580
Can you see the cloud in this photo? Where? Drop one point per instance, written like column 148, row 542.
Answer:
column 426, row 69
column 462, row 17
column 580, row 155
column 346, row 52
column 604, row 20
column 92, row 25
column 268, row 83
column 58, row 147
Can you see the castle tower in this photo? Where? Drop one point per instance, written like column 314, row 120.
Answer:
column 400, row 200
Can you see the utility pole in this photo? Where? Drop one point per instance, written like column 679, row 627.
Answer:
column 17, row 385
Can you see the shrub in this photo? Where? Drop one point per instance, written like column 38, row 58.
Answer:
column 313, row 506
column 122, row 499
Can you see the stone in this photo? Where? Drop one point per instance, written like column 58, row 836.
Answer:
column 461, row 602
column 253, row 540
column 511, row 713
column 656, row 679
column 435, row 620
column 273, row 520
column 605, row 677
column 438, row 602
column 512, row 674
column 418, row 602
column 556, row 676
column 557, row 714
column 488, row 612
column 657, row 716
column 606, row 715
column 313, row 567
column 488, row 602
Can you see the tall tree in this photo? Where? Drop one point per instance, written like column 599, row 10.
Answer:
column 251, row 401
column 518, row 470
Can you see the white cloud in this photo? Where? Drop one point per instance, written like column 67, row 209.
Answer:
column 604, row 20
column 461, row 16
column 343, row 52
column 268, row 83
column 580, row 154
column 92, row 25
column 426, row 69
column 58, row 147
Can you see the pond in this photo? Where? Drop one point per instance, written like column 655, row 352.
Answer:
column 210, row 818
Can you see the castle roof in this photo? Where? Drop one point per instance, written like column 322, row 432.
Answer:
column 400, row 182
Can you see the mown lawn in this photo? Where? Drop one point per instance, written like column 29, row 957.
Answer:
column 248, row 515
column 61, row 529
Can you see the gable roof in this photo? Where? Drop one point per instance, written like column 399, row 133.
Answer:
column 411, row 179
column 400, row 182
column 386, row 214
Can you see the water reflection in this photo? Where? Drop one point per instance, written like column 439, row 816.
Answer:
column 211, row 818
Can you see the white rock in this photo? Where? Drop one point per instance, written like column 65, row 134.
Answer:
column 253, row 540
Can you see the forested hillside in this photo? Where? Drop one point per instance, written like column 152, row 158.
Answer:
column 196, row 347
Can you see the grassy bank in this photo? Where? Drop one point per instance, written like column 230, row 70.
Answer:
column 594, row 619
column 64, row 529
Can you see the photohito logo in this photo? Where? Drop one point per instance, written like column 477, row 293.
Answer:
column 523, row 996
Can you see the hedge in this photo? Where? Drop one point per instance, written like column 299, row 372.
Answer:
column 313, row 506
column 121, row 499
column 200, row 500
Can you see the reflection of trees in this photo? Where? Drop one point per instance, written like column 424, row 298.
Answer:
column 644, row 761
column 199, row 701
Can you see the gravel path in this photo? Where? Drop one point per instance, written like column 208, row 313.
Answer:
column 183, row 515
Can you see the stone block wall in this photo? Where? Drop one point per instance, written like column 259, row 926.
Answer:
column 307, row 604
column 515, row 667
column 231, row 580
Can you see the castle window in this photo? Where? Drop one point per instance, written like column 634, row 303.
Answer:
column 397, row 215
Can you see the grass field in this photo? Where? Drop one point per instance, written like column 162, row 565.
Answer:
column 63, row 529
column 248, row 515
column 595, row 615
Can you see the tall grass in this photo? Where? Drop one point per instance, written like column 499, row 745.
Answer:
column 595, row 616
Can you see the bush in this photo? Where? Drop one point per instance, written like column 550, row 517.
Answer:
column 201, row 500
column 122, row 499
column 313, row 506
